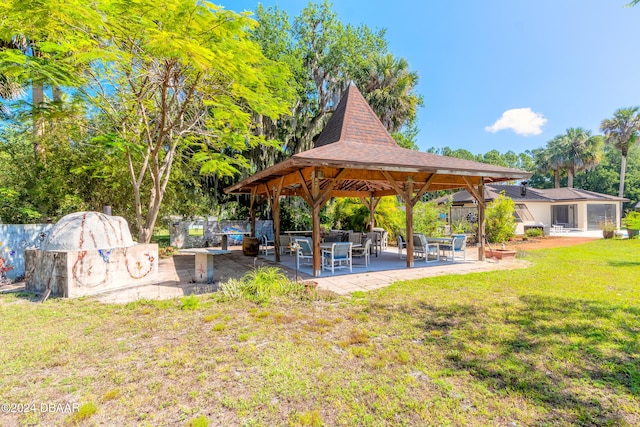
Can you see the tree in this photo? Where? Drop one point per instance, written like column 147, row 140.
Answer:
column 37, row 46
column 552, row 158
column 188, row 76
column 387, row 85
column 621, row 131
column 430, row 218
column 324, row 56
column 162, row 79
column 583, row 151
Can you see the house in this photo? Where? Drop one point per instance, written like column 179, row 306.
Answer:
column 571, row 208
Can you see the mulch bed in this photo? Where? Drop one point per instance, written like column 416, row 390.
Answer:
column 547, row 242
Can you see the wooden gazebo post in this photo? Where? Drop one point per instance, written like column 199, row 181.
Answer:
column 252, row 211
column 315, row 222
column 478, row 194
column 371, row 204
column 274, row 197
column 481, row 227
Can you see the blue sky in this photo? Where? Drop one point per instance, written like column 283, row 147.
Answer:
column 505, row 74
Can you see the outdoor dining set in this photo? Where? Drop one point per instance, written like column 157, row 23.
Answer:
column 340, row 248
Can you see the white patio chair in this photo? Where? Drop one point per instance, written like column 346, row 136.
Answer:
column 362, row 251
column 458, row 245
column 304, row 251
column 385, row 240
column 423, row 249
column 267, row 245
column 337, row 256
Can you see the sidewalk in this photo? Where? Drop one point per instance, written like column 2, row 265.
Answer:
column 177, row 273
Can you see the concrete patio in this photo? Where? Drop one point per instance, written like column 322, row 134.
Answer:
column 177, row 273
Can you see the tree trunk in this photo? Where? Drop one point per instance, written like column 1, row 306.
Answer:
column 556, row 175
column 37, row 94
column 623, row 172
column 56, row 93
column 570, row 179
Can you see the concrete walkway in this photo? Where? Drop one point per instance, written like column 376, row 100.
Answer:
column 348, row 283
column 177, row 274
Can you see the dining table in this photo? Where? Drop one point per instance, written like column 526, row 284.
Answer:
column 444, row 241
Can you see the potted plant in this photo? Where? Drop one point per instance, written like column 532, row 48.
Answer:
column 608, row 229
column 632, row 222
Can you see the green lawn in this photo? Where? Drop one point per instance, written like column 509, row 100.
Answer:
column 554, row 344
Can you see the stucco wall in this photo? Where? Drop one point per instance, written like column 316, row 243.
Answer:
column 77, row 273
column 14, row 239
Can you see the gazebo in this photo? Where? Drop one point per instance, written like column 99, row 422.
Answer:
column 355, row 156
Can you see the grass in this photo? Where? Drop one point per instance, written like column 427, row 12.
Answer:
column 557, row 343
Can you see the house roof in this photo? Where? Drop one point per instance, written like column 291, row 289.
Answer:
column 355, row 139
column 550, row 195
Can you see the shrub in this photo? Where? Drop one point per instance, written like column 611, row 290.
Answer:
column 534, row 232
column 500, row 220
column 632, row 220
column 429, row 218
column 350, row 214
column 260, row 284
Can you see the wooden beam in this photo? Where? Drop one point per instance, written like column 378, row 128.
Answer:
column 358, row 194
column 397, row 187
column 481, row 225
column 409, row 225
column 326, row 192
column 307, row 194
column 471, row 189
column 372, row 209
column 276, row 219
column 423, row 190
column 252, row 211
column 365, row 202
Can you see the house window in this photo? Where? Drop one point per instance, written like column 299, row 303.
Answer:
column 597, row 214
column 564, row 215
column 522, row 213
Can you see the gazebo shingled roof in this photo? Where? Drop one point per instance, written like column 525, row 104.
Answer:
column 355, row 138
column 355, row 156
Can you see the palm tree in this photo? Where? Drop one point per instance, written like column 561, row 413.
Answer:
column 584, row 151
column 622, row 131
column 552, row 158
column 388, row 87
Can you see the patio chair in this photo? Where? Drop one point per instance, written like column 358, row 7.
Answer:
column 267, row 246
column 285, row 245
column 337, row 256
column 402, row 244
column 383, row 236
column 362, row 251
column 458, row 245
column 375, row 241
column 423, row 249
column 304, row 251
column 355, row 238
column 385, row 240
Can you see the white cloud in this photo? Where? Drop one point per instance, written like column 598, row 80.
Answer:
column 522, row 121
